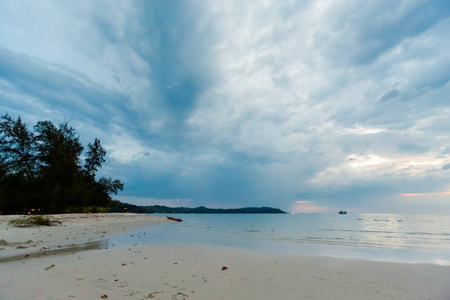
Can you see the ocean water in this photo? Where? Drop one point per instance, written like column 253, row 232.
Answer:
column 383, row 237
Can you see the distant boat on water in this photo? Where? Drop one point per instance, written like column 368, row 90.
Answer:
column 342, row 212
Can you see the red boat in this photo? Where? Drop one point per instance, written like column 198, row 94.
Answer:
column 174, row 219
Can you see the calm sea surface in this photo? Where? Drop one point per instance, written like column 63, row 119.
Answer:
column 386, row 237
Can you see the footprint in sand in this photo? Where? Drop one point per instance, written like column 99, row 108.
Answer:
column 130, row 292
column 179, row 296
column 123, row 284
column 320, row 278
column 387, row 295
column 152, row 295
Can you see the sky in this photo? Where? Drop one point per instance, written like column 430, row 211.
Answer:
column 307, row 106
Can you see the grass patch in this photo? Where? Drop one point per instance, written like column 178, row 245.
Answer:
column 36, row 220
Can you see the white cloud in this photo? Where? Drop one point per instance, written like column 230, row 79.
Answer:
column 372, row 168
column 123, row 146
column 366, row 160
column 365, row 130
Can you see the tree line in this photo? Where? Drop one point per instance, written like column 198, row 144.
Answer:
column 118, row 206
column 43, row 170
column 206, row 210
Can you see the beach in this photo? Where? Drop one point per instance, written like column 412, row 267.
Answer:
column 54, row 263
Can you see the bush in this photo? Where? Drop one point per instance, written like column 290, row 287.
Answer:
column 37, row 220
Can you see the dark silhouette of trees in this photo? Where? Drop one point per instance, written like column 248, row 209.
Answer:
column 17, row 148
column 43, row 170
column 94, row 158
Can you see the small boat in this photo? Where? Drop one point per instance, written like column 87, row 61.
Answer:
column 342, row 212
column 174, row 219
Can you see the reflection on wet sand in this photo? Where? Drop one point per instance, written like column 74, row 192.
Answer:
column 60, row 250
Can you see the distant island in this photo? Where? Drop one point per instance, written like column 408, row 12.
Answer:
column 160, row 209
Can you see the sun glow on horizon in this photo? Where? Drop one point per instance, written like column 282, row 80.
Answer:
column 425, row 194
column 307, row 207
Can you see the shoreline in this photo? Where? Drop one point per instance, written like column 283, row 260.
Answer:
column 76, row 229
column 187, row 271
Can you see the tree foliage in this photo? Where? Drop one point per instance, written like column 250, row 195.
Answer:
column 94, row 158
column 43, row 170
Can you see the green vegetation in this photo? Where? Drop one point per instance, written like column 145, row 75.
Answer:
column 42, row 172
column 35, row 220
column 117, row 206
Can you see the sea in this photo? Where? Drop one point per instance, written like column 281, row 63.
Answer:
column 379, row 237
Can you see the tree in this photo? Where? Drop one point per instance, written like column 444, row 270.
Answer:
column 111, row 186
column 59, row 150
column 44, row 169
column 95, row 157
column 17, row 148
column 17, row 164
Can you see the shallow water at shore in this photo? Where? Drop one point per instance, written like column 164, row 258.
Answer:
column 385, row 237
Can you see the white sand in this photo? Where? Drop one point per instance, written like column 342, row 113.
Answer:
column 195, row 272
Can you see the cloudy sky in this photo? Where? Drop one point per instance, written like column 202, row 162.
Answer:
column 308, row 106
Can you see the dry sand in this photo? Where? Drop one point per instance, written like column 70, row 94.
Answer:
column 195, row 272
